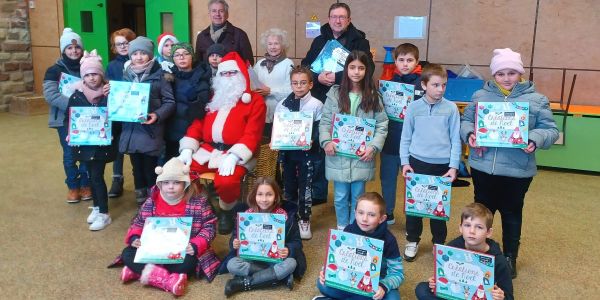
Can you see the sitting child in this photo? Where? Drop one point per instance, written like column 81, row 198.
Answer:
column 371, row 222
column 476, row 229
column 265, row 197
column 173, row 196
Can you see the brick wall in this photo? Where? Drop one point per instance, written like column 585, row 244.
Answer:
column 16, row 70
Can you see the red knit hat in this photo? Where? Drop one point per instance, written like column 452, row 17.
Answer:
column 163, row 38
column 232, row 61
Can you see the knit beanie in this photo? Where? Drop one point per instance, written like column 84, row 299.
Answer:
column 141, row 43
column 163, row 38
column 186, row 46
column 218, row 49
column 506, row 59
column 175, row 170
column 91, row 63
column 69, row 37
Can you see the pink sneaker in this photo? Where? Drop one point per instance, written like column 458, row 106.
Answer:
column 128, row 275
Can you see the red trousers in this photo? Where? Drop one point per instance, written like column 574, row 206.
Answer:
column 228, row 187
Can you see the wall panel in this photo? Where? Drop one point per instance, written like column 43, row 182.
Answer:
column 43, row 58
column 276, row 14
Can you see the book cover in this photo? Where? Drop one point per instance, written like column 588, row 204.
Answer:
column 292, row 130
column 353, row 263
column 427, row 196
column 128, row 101
column 351, row 134
column 462, row 274
column 164, row 240
column 331, row 58
column 396, row 97
column 89, row 126
column 261, row 236
column 502, row 124
column 66, row 84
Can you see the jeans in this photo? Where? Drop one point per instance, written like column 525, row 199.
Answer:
column 99, row 192
column 339, row 294
column 423, row 292
column 345, row 196
column 187, row 266
column 241, row 267
column 298, row 171
column 388, row 173
column 76, row 175
column 118, row 165
column 143, row 170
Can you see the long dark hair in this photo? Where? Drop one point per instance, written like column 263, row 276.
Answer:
column 251, row 200
column 369, row 93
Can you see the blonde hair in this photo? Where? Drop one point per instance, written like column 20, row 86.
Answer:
column 281, row 34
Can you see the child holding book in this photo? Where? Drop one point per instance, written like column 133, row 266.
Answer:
column 173, row 196
column 502, row 176
column 298, row 165
column 430, row 145
column 89, row 92
column 71, row 51
column 356, row 96
column 371, row 222
column 476, row 232
column 265, row 197
column 408, row 70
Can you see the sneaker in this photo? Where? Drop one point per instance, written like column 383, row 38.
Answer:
column 93, row 214
column 410, row 252
column 116, row 188
column 390, row 219
column 86, row 193
column 73, row 196
column 141, row 195
column 305, row 233
column 341, row 227
column 101, row 221
column 321, row 297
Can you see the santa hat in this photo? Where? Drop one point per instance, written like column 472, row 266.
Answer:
column 506, row 59
column 91, row 62
column 174, row 169
column 233, row 62
column 368, row 273
column 440, row 203
column 163, row 38
column 69, row 37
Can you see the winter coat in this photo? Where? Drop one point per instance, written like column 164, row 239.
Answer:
column 115, row 68
column 148, row 139
column 511, row 162
column 232, row 38
column 278, row 81
column 345, row 169
column 57, row 101
column 352, row 39
column 292, row 239
column 87, row 153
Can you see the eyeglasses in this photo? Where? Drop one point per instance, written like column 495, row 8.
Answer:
column 228, row 73
column 121, row 45
column 341, row 18
column 300, row 83
column 181, row 55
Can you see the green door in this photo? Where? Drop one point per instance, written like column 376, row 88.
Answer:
column 168, row 16
column 88, row 19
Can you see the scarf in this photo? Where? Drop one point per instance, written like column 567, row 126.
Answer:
column 72, row 65
column 271, row 61
column 504, row 91
column 216, row 31
column 291, row 102
column 93, row 96
column 144, row 70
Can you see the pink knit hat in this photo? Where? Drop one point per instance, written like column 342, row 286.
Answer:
column 91, row 62
column 506, row 59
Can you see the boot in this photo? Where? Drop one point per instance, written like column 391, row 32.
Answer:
column 141, row 195
column 512, row 265
column 73, row 196
column 116, row 188
column 86, row 193
column 226, row 223
column 128, row 275
column 289, row 282
column 261, row 279
column 159, row 277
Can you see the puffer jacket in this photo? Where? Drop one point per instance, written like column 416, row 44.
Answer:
column 58, row 102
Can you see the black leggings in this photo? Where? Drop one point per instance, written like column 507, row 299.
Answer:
column 143, row 170
column 95, row 170
column 187, row 266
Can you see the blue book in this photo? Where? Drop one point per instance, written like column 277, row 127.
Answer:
column 292, row 130
column 331, row 58
column 462, row 274
column 164, row 240
column 396, row 97
column 502, row 124
column 66, row 84
column 128, row 101
column 351, row 134
column 427, row 196
column 261, row 236
column 353, row 263
column 89, row 126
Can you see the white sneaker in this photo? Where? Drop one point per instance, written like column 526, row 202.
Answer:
column 410, row 252
column 305, row 233
column 341, row 227
column 101, row 221
column 93, row 214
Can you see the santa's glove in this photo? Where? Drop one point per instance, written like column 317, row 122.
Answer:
column 185, row 156
column 228, row 165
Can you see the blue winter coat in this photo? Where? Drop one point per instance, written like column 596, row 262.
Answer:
column 57, row 101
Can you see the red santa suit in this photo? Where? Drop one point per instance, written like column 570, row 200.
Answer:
column 479, row 294
column 439, row 210
column 365, row 283
column 236, row 130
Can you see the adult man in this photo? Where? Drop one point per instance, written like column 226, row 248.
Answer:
column 222, row 32
column 227, row 137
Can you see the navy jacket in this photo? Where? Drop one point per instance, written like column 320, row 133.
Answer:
column 114, row 70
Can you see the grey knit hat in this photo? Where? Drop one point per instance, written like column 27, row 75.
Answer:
column 218, row 49
column 142, row 43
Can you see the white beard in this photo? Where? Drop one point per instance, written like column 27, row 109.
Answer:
column 228, row 91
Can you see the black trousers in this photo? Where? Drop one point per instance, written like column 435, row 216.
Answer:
column 507, row 195
column 187, row 266
column 95, row 170
column 414, row 225
column 143, row 170
column 298, row 171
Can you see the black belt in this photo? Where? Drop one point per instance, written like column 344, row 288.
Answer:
column 221, row 146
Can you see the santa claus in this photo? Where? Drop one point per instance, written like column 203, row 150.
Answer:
column 479, row 294
column 439, row 210
column 227, row 138
column 365, row 283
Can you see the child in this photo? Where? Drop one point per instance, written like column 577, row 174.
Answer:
column 249, row 275
column 214, row 55
column 71, row 51
column 165, row 42
column 298, row 166
column 89, row 92
column 173, row 196
column 119, row 44
column 502, row 176
column 408, row 70
column 144, row 141
column 356, row 96
column 476, row 230
column 430, row 145
column 370, row 222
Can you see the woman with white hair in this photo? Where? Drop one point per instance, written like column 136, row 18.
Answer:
column 273, row 72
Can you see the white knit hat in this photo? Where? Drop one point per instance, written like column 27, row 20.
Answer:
column 69, row 37
column 175, row 170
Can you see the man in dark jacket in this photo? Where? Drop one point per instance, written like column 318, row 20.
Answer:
column 222, row 32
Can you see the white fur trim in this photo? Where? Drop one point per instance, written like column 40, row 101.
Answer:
column 242, row 151
column 145, row 277
column 227, row 206
column 228, row 65
column 201, row 156
column 218, row 124
column 246, row 98
column 188, row 143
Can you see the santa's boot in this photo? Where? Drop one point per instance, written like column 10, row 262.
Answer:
column 226, row 222
column 128, row 275
column 159, row 277
column 261, row 279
